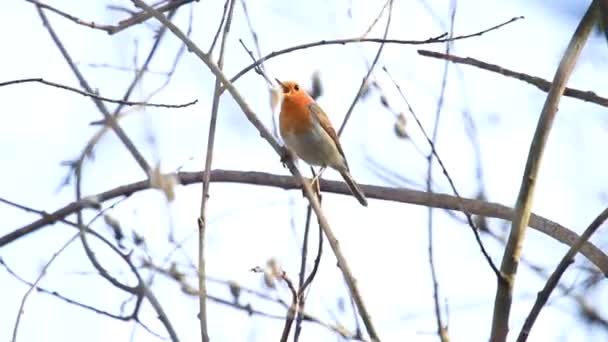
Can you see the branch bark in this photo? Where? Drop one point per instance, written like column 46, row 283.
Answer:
column 510, row 260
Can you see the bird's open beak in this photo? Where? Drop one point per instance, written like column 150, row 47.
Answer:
column 281, row 84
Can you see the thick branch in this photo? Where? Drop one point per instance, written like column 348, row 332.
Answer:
column 510, row 260
column 442, row 201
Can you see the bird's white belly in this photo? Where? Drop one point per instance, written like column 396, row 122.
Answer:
column 316, row 148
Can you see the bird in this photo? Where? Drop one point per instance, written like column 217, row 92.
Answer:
column 307, row 131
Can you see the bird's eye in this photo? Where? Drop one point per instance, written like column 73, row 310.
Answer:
column 296, row 87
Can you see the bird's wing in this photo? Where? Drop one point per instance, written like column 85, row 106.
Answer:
column 323, row 120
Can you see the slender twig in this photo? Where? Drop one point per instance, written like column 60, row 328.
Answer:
column 540, row 83
column 369, row 71
column 142, row 16
column 553, row 280
column 448, row 177
column 400, row 195
column 375, row 21
column 434, row 40
column 100, row 105
column 99, row 97
column 202, row 220
column 442, row 329
column 35, row 283
column 304, row 283
column 302, row 273
column 219, row 28
column 523, row 207
column 293, row 308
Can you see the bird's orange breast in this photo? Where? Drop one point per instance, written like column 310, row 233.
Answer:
column 295, row 117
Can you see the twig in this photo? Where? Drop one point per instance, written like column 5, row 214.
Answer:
column 375, row 21
column 553, row 280
column 449, row 178
column 304, row 283
column 523, row 207
column 442, row 329
column 99, row 97
column 369, row 71
column 100, row 105
column 434, row 40
column 142, row 16
column 202, row 221
column 540, row 83
column 400, row 195
column 293, row 308
column 35, row 283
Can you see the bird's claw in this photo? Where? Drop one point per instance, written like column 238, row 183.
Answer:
column 286, row 155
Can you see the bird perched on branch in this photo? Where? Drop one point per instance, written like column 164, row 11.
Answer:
column 307, row 131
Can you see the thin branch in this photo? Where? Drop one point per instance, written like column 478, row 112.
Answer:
column 342, row 262
column 523, row 207
column 442, row 329
column 369, row 71
column 98, row 97
column 553, row 280
column 538, row 82
column 434, row 40
column 142, row 16
column 400, row 195
column 202, row 220
column 35, row 283
column 100, row 105
column 449, row 178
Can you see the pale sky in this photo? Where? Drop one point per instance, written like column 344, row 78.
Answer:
column 386, row 243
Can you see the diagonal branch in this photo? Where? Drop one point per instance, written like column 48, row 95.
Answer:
column 551, row 283
column 538, row 82
column 523, row 207
column 100, row 105
column 350, row 280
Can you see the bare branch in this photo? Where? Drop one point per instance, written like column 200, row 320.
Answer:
column 523, row 207
column 99, row 97
column 202, row 220
column 538, row 82
column 551, row 283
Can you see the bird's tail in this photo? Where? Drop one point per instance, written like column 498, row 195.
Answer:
column 354, row 188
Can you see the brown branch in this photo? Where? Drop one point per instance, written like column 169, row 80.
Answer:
column 342, row 262
column 400, row 195
column 538, row 82
column 553, row 280
column 523, row 207
column 95, row 96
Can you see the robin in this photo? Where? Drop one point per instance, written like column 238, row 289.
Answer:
column 307, row 131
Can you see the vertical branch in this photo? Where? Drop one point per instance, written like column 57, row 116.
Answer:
column 202, row 221
column 442, row 330
column 510, row 260
column 568, row 259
